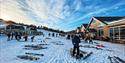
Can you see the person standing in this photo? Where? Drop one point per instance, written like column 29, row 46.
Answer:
column 19, row 36
column 75, row 42
column 16, row 35
column 32, row 38
column 91, row 37
column 49, row 34
column 8, row 35
column 12, row 35
column 68, row 36
column 56, row 35
column 25, row 37
column 87, row 37
column 53, row 34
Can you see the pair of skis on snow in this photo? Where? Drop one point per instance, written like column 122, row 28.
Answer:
column 82, row 55
column 115, row 59
column 30, row 56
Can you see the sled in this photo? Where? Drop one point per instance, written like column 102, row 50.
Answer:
column 83, row 54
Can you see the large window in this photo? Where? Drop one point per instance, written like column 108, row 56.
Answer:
column 111, row 32
column 122, row 32
column 116, row 33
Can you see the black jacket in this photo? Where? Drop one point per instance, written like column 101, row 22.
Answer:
column 76, row 41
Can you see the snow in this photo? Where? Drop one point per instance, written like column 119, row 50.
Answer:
column 9, row 50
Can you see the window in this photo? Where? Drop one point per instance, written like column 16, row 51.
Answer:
column 100, row 32
column 111, row 32
column 116, row 33
column 122, row 32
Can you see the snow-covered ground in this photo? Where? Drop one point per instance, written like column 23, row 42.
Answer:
column 9, row 50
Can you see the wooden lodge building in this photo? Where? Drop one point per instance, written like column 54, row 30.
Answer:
column 10, row 26
column 112, row 28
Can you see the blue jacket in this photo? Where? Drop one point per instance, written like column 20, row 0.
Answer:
column 76, row 41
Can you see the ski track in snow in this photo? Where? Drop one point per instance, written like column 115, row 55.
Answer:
column 56, row 53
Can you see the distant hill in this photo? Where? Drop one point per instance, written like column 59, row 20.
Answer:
column 10, row 22
column 7, row 21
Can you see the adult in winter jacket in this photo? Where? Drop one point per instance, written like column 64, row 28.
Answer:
column 75, row 42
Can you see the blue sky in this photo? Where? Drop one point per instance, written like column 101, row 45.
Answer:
column 59, row 14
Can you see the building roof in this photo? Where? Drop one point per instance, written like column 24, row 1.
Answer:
column 85, row 25
column 109, row 18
